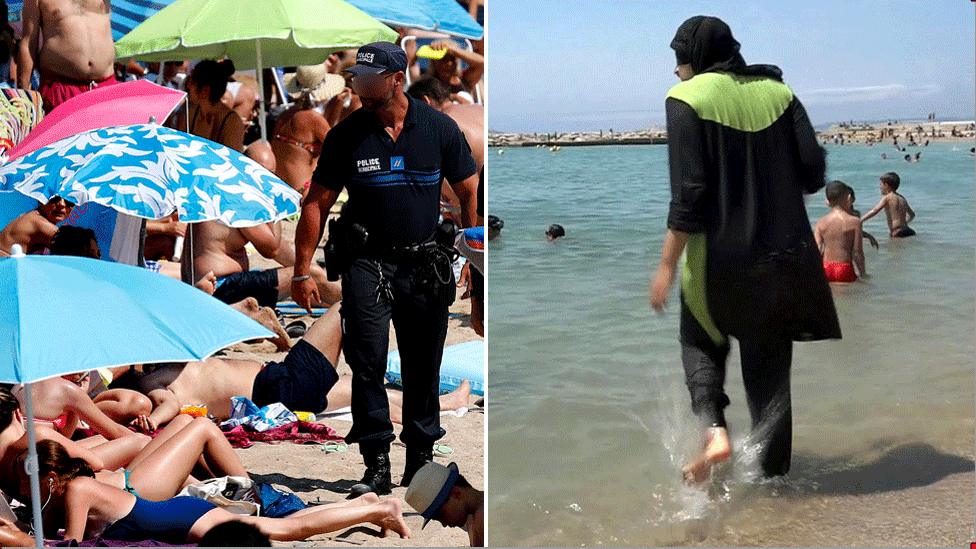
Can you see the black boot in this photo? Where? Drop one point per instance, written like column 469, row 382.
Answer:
column 415, row 460
column 377, row 478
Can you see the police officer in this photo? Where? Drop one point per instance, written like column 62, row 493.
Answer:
column 391, row 156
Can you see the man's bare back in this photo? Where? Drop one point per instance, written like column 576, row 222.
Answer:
column 471, row 120
column 77, row 40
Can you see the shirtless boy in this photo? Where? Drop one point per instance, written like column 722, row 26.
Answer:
column 838, row 235
column 77, row 53
column 35, row 229
column 306, row 380
column 896, row 207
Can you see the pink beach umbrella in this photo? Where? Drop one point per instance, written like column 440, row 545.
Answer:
column 118, row 105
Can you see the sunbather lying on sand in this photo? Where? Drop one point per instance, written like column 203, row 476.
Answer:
column 164, row 467
column 99, row 453
column 86, row 508
column 305, row 381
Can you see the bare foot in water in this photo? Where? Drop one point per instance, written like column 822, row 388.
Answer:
column 717, row 449
column 207, row 283
column 391, row 518
column 266, row 317
column 458, row 398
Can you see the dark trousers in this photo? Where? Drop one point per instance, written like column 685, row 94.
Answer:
column 419, row 316
column 766, row 376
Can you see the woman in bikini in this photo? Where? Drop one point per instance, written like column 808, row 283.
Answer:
column 164, row 467
column 72, row 499
column 300, row 130
column 208, row 116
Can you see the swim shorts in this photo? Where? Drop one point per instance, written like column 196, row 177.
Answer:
column 261, row 285
column 839, row 272
column 55, row 91
column 301, row 382
column 903, row 232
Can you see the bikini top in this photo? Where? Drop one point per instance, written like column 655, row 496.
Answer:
column 214, row 135
column 314, row 148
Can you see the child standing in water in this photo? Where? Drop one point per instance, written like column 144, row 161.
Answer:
column 838, row 236
column 899, row 213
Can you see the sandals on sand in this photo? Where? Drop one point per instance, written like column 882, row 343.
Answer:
column 296, row 329
column 335, row 447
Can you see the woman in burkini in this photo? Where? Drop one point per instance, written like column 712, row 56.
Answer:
column 72, row 499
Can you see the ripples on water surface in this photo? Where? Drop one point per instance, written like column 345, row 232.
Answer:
column 590, row 418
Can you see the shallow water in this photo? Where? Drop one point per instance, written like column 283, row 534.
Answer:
column 590, row 418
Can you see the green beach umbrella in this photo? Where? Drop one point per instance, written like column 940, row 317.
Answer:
column 252, row 33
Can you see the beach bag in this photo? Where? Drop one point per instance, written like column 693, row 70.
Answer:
column 234, row 494
column 278, row 504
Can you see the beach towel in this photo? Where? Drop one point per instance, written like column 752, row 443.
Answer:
column 20, row 112
column 299, row 432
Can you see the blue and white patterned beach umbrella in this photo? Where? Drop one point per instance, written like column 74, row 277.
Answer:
column 150, row 171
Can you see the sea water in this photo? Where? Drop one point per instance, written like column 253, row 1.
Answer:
column 590, row 419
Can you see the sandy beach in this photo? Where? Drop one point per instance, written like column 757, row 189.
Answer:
column 316, row 476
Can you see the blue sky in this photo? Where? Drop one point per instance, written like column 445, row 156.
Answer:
column 596, row 64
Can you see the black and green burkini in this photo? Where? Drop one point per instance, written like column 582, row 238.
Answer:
column 742, row 155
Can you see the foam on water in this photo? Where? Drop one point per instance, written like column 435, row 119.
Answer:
column 590, row 418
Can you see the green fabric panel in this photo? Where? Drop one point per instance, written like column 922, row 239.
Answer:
column 693, row 286
column 745, row 103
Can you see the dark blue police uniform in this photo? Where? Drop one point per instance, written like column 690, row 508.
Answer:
column 394, row 193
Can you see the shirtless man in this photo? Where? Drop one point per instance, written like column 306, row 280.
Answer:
column 471, row 120
column 838, row 236
column 896, row 207
column 221, row 249
column 77, row 53
column 305, row 381
column 34, row 229
column 300, row 130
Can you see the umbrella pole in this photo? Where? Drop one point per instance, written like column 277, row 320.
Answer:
column 31, row 466
column 261, row 119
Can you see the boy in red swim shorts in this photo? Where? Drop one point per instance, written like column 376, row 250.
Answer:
column 838, row 235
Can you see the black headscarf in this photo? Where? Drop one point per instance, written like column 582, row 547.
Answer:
column 706, row 43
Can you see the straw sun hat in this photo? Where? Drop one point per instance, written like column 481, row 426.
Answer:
column 430, row 488
column 322, row 84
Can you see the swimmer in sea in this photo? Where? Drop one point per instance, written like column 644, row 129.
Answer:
column 555, row 231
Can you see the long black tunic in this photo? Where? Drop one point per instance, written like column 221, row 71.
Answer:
column 742, row 155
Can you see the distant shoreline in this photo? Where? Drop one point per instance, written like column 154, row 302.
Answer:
column 939, row 131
